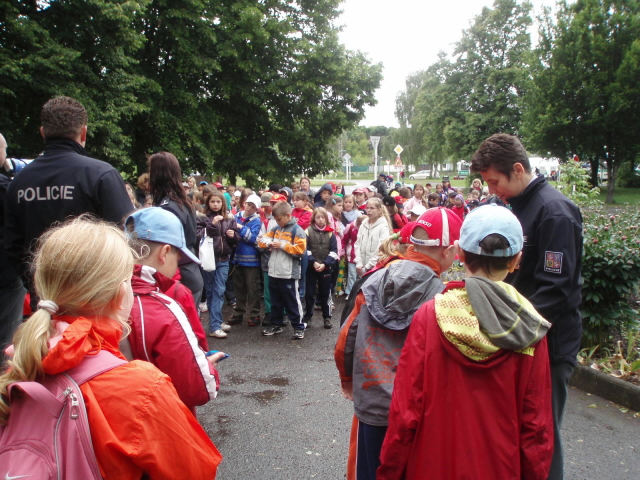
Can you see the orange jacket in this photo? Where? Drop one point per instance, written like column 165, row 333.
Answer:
column 139, row 426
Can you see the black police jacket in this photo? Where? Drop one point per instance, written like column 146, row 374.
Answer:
column 550, row 269
column 61, row 183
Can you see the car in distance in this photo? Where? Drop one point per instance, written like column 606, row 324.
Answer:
column 421, row 175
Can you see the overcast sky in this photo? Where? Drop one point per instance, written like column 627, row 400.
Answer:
column 406, row 36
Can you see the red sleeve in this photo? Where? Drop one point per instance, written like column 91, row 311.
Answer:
column 536, row 434
column 184, row 297
column 407, row 399
column 305, row 219
column 345, row 345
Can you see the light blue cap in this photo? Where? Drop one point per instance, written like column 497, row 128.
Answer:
column 158, row 225
column 486, row 220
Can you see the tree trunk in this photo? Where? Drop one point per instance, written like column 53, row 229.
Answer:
column 611, row 181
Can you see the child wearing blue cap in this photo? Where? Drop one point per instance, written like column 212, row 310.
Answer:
column 472, row 393
column 165, row 326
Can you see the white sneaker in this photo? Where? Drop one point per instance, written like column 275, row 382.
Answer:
column 203, row 307
column 218, row 334
column 225, row 327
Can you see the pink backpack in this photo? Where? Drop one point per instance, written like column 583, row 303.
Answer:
column 48, row 437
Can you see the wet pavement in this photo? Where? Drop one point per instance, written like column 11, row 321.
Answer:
column 280, row 414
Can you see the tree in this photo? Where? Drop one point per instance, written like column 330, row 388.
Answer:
column 247, row 87
column 77, row 48
column 585, row 92
column 479, row 91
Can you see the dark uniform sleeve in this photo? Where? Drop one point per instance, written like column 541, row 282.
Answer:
column 559, row 247
column 113, row 201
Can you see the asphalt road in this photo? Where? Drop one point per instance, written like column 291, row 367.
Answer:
column 280, row 414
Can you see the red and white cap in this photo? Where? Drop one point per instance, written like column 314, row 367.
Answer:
column 442, row 226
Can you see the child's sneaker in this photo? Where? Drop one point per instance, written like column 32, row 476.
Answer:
column 266, row 320
column 234, row 321
column 225, row 327
column 272, row 330
column 327, row 323
column 298, row 334
column 203, row 307
column 218, row 334
column 254, row 322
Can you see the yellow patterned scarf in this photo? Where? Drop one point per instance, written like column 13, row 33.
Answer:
column 460, row 326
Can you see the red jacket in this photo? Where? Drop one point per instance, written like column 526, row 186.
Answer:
column 166, row 331
column 303, row 216
column 452, row 417
column 139, row 426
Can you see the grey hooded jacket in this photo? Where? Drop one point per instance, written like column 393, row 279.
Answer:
column 376, row 336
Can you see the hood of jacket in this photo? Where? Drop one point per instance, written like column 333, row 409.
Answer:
column 480, row 318
column 326, row 186
column 393, row 294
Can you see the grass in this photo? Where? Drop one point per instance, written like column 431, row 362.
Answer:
column 622, row 195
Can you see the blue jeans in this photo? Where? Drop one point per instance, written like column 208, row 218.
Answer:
column 215, row 282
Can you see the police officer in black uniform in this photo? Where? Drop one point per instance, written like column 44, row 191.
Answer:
column 63, row 182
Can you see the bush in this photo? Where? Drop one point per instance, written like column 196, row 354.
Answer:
column 628, row 177
column 610, row 270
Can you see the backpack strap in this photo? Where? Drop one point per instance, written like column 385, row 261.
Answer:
column 93, row 365
column 40, row 394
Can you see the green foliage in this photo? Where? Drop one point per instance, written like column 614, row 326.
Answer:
column 610, row 271
column 628, row 177
column 574, row 183
column 584, row 96
column 245, row 87
column 479, row 91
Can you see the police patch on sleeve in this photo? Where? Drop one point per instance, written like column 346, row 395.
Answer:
column 553, row 262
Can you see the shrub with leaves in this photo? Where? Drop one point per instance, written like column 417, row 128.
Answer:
column 610, row 270
column 610, row 266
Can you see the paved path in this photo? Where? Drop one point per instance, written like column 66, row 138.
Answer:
column 280, row 414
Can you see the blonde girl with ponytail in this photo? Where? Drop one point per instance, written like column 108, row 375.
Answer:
column 82, row 274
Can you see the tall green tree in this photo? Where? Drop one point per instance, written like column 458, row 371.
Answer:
column 479, row 91
column 585, row 98
column 256, row 88
column 83, row 49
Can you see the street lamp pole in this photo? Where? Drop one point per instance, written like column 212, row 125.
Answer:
column 375, row 141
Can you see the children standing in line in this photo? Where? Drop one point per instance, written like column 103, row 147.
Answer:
column 478, row 350
column 374, row 229
column 419, row 198
column 220, row 225
column 83, row 278
column 247, row 271
column 397, row 220
column 459, row 207
column 287, row 244
column 370, row 341
column 442, row 196
column 322, row 252
column 349, row 210
column 301, row 211
column 350, row 237
column 360, row 195
column 268, row 222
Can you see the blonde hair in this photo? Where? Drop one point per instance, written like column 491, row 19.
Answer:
column 80, row 266
column 384, row 211
column 391, row 247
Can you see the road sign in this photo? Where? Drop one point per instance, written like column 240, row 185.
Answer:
column 463, row 173
column 398, row 161
column 346, row 157
column 398, row 149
